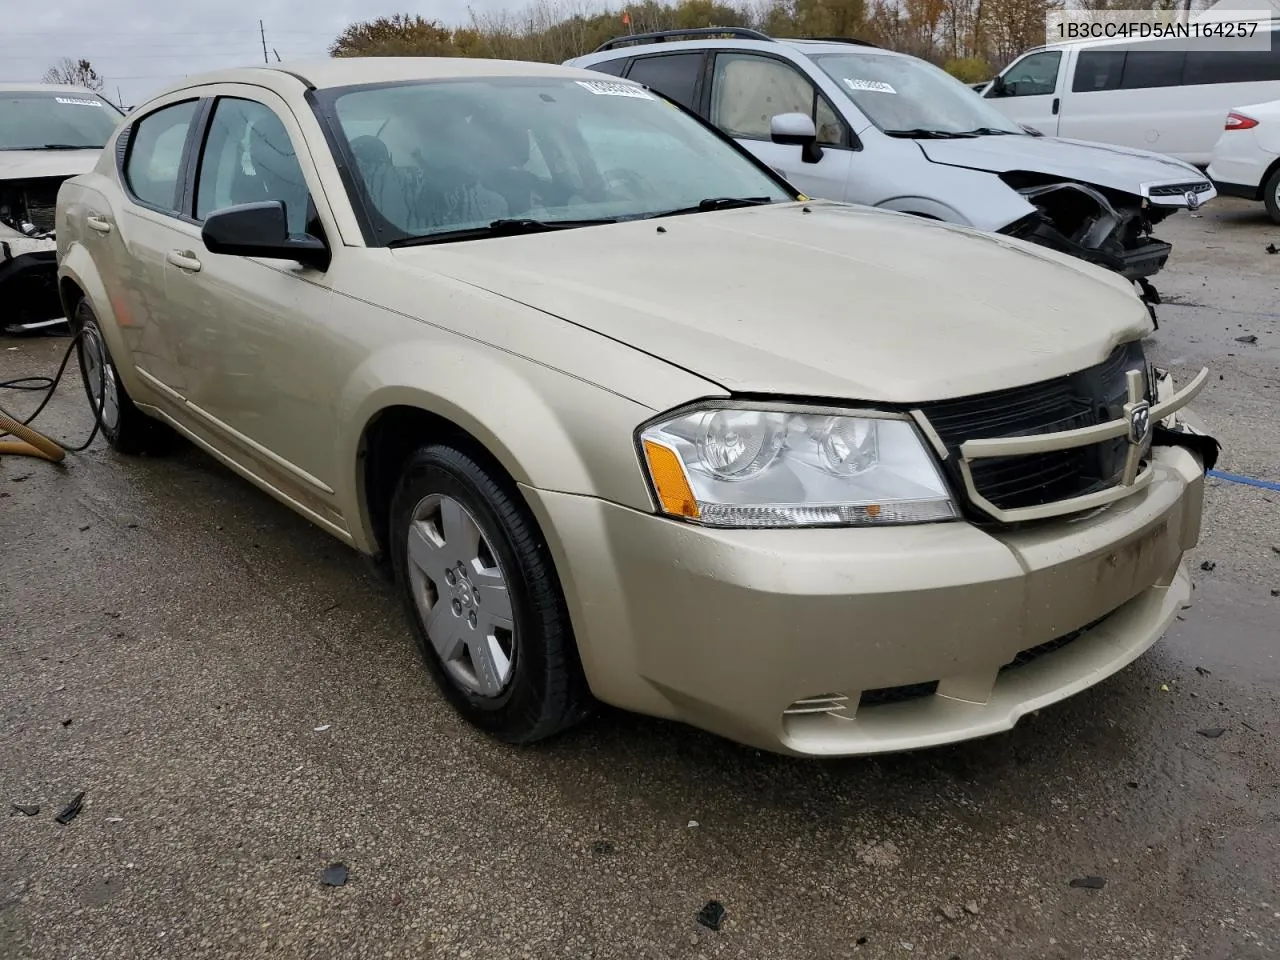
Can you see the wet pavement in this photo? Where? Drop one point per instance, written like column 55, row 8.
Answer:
column 238, row 700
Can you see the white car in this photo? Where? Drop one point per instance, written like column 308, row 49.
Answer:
column 1166, row 95
column 1246, row 158
column 844, row 120
column 48, row 133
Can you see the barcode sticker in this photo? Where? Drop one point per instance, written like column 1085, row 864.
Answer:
column 879, row 86
column 608, row 88
column 80, row 101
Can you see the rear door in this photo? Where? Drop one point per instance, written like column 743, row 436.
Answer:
column 749, row 89
column 131, row 232
column 1031, row 90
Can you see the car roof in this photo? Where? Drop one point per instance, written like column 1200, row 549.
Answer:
column 802, row 46
column 322, row 73
column 46, row 88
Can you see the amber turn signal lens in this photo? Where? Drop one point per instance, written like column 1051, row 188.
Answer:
column 669, row 480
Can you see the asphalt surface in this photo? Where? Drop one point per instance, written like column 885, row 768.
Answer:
column 237, row 699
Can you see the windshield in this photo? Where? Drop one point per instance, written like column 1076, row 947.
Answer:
column 443, row 157
column 906, row 94
column 43, row 119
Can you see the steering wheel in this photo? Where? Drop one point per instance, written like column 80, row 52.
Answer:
column 630, row 182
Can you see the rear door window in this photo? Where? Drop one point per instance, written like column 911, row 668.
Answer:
column 153, row 169
column 1097, row 70
column 1152, row 68
column 611, row 67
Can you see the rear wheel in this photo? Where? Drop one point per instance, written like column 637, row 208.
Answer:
column 125, row 427
column 483, row 599
column 1271, row 195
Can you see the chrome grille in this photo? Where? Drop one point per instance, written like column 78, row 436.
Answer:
column 1178, row 189
column 1092, row 396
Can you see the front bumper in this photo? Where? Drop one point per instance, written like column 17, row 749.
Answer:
column 28, row 283
column 849, row 641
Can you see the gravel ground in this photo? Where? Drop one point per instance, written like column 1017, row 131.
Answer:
column 237, row 699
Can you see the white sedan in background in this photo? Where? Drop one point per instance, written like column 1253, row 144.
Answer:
column 1246, row 158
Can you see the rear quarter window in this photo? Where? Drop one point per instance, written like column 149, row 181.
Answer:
column 612, row 67
column 673, row 74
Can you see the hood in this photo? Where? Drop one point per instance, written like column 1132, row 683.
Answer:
column 1104, row 165
column 841, row 302
column 27, row 164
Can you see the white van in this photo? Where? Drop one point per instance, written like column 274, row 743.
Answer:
column 1162, row 95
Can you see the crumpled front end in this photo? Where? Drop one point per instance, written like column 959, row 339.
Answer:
column 1108, row 227
column 29, row 255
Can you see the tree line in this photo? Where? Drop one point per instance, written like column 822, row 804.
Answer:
column 970, row 38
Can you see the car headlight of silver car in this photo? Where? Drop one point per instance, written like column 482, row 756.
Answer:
column 779, row 466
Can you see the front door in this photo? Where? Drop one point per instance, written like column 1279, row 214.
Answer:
column 1029, row 91
column 748, row 90
column 253, row 347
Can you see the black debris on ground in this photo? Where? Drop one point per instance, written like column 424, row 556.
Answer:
column 26, row 809
column 1089, row 883
column 1272, row 248
column 712, row 915
column 1213, row 733
column 1208, row 565
column 861, row 941
column 1203, row 671
column 71, row 810
column 602, row 847
column 1247, row 338
column 335, row 875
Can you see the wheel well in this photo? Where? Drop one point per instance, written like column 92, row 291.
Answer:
column 1262, row 184
column 70, row 293
column 389, row 440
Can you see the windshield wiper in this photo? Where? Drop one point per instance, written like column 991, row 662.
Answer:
column 923, row 133
column 62, row 146
column 990, row 132
column 508, row 227
column 715, row 203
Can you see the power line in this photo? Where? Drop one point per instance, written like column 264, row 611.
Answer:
column 58, row 34
column 98, row 57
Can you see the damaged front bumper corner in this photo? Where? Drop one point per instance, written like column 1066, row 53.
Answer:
column 1077, row 219
column 28, row 283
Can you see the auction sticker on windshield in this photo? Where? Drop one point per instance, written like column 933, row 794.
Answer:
column 79, row 101
column 879, row 86
column 608, row 89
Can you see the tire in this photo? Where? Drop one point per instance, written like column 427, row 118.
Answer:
column 126, row 428
column 540, row 689
column 1271, row 195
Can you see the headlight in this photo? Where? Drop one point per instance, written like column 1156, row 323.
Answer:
column 767, row 466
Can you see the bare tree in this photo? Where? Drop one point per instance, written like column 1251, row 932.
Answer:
column 76, row 73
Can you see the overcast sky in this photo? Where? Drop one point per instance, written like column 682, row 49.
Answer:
column 156, row 41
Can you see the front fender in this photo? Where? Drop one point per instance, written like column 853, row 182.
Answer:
column 549, row 430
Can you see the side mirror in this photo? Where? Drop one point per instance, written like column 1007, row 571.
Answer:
column 261, row 230
column 997, row 88
column 797, row 128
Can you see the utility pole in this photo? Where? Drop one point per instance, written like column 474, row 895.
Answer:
column 263, row 33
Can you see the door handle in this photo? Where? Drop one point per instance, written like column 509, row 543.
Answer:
column 98, row 224
column 1055, row 106
column 183, row 260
